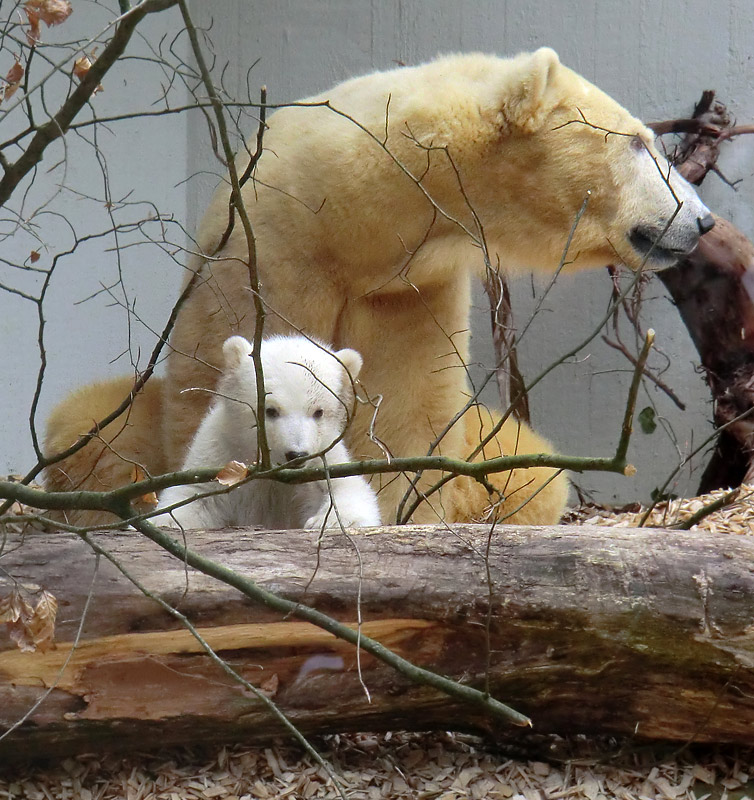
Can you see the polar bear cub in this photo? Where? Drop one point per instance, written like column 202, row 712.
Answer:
column 308, row 398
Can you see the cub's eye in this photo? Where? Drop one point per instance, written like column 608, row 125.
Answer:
column 318, row 414
column 271, row 413
column 637, row 144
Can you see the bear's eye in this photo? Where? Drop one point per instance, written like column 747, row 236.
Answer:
column 637, row 144
column 271, row 413
column 318, row 414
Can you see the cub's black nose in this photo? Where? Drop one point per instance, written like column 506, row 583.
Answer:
column 293, row 455
column 705, row 223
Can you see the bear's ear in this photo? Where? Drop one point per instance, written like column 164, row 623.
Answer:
column 531, row 93
column 351, row 360
column 235, row 350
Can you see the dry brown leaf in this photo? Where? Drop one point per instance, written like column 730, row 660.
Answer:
column 145, row 501
column 81, row 67
column 270, row 685
column 12, row 80
column 12, row 606
column 32, row 35
column 18, row 613
column 42, row 624
column 34, row 256
column 232, row 473
column 15, row 73
column 148, row 500
column 51, row 12
column 30, row 627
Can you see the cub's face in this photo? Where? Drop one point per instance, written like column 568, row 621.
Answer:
column 304, row 412
column 308, row 396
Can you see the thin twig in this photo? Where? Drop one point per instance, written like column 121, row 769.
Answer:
column 58, row 125
column 236, row 199
column 710, row 508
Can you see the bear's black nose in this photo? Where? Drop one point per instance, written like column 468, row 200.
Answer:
column 705, row 223
column 293, row 455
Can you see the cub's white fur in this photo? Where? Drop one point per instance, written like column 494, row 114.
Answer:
column 307, row 404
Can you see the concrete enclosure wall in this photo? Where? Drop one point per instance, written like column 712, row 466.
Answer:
column 654, row 57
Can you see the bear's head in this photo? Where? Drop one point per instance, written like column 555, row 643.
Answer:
column 501, row 150
column 566, row 144
column 308, row 395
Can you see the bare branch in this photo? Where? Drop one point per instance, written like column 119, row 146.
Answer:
column 46, row 134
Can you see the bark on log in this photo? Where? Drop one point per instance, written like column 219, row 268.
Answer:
column 603, row 631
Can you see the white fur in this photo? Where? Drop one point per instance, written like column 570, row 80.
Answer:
column 308, row 396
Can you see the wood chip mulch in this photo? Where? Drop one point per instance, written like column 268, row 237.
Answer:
column 440, row 766
column 736, row 516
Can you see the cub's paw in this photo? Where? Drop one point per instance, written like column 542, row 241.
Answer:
column 324, row 518
column 164, row 521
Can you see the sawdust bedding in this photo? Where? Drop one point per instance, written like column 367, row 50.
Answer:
column 440, row 766
column 437, row 766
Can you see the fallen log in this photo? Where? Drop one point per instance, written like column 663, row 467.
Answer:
column 643, row 633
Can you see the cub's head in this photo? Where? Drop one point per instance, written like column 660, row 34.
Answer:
column 308, row 394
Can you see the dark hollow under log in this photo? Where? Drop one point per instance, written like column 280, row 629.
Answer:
column 587, row 630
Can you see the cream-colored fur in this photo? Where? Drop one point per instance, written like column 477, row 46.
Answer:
column 308, row 397
column 368, row 217
column 534, row 496
column 126, row 449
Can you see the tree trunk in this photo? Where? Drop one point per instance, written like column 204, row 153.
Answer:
column 586, row 630
column 712, row 289
column 511, row 387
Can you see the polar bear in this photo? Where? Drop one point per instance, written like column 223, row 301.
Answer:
column 375, row 204
column 308, row 400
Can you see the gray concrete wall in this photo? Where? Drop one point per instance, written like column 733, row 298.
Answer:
column 136, row 171
column 654, row 57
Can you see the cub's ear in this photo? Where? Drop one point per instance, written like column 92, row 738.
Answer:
column 235, row 350
column 530, row 93
column 351, row 360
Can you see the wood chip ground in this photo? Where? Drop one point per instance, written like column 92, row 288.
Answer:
column 440, row 766
column 436, row 766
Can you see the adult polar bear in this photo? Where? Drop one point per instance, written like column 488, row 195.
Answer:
column 367, row 215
